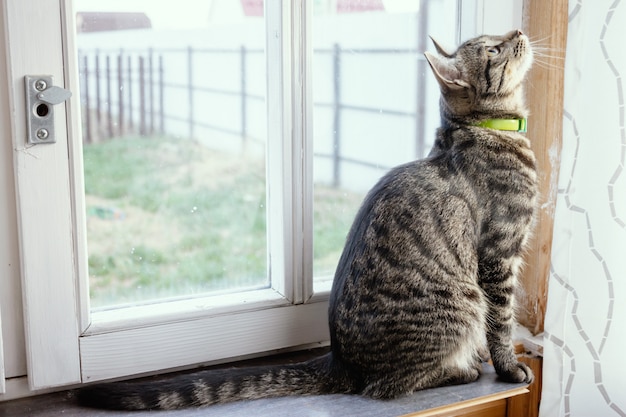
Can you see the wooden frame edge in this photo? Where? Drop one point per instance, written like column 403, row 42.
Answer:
column 546, row 23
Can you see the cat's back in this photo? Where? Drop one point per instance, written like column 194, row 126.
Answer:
column 468, row 170
column 413, row 253
column 423, row 225
column 409, row 259
column 418, row 224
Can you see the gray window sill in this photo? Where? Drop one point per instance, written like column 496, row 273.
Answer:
column 487, row 389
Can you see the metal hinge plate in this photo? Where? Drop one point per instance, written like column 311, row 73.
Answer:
column 41, row 96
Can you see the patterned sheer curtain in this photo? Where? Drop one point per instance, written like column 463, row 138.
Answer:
column 585, row 328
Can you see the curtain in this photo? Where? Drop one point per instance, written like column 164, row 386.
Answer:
column 585, row 327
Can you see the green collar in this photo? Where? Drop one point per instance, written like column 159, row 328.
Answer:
column 515, row 125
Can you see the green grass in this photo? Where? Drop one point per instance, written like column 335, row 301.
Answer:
column 170, row 217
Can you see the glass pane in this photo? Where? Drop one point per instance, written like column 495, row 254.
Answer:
column 174, row 131
column 375, row 104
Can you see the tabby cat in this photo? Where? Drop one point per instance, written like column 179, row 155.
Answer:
column 427, row 277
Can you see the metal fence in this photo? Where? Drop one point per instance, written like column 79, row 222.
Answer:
column 114, row 114
column 125, row 91
column 128, row 92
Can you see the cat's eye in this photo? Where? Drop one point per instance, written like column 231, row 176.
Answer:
column 492, row 51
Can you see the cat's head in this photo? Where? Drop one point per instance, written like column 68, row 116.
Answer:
column 483, row 77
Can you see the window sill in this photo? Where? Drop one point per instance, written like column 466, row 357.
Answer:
column 486, row 397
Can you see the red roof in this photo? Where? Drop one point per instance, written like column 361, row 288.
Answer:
column 252, row 7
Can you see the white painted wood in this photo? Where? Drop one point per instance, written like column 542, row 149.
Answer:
column 303, row 113
column 120, row 353
column 12, row 329
column 18, row 388
column 107, row 321
column 290, row 142
column 494, row 17
column 150, row 338
column 43, row 201
column 3, row 191
column 500, row 17
column 75, row 152
column 280, row 168
column 2, row 378
column 470, row 19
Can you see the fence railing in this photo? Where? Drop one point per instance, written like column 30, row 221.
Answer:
column 113, row 114
column 146, row 92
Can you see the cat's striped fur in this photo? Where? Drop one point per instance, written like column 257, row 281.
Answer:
column 428, row 273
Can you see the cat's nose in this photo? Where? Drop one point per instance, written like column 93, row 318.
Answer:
column 519, row 32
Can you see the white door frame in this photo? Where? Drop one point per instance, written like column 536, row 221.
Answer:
column 44, row 221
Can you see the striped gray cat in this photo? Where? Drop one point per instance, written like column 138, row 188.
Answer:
column 427, row 277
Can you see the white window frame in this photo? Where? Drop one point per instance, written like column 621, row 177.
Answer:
column 2, row 378
column 45, row 235
column 65, row 343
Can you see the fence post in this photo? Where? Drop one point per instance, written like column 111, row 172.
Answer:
column 87, row 110
column 151, row 88
column 120, row 94
column 336, row 115
column 98, row 97
column 161, row 98
column 244, row 115
column 190, row 90
column 142, row 97
column 109, row 101
column 129, row 64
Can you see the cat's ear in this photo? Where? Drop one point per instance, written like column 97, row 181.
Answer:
column 440, row 49
column 447, row 74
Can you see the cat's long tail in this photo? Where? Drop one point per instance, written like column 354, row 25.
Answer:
column 317, row 376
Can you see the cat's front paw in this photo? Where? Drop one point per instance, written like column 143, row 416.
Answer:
column 519, row 373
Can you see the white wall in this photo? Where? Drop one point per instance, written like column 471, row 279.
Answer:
column 584, row 362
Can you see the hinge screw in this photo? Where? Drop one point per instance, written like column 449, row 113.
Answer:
column 43, row 134
column 40, row 85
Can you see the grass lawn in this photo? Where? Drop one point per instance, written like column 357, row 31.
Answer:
column 169, row 217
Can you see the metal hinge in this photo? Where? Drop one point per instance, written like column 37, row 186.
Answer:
column 41, row 96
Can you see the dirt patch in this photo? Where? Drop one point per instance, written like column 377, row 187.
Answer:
column 113, row 225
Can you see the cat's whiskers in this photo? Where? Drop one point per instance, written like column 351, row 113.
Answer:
column 548, row 52
column 546, row 57
column 547, row 60
column 534, row 41
column 548, row 65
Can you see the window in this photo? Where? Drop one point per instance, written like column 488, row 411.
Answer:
column 325, row 74
column 371, row 84
column 174, row 145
